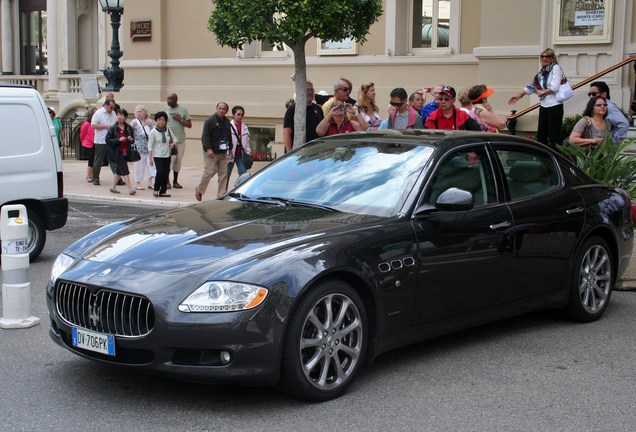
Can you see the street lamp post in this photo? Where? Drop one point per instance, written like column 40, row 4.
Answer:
column 114, row 74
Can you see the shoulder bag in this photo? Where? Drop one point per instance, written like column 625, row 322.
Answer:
column 565, row 91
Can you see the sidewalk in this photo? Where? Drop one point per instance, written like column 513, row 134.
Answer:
column 76, row 187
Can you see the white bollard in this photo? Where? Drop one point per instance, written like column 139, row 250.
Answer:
column 16, row 287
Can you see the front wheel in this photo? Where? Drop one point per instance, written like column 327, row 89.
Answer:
column 592, row 281
column 326, row 342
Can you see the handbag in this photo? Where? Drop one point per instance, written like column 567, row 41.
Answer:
column 247, row 161
column 173, row 150
column 132, row 155
column 565, row 91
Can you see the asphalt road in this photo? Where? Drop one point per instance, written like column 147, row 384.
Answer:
column 532, row 373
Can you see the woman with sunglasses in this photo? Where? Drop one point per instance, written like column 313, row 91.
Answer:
column 593, row 126
column 545, row 85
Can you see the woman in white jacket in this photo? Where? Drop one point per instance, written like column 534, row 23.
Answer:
column 545, row 85
column 240, row 142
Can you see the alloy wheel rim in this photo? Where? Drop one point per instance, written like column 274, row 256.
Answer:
column 331, row 341
column 594, row 279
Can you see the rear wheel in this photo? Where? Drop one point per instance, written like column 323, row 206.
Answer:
column 37, row 235
column 592, row 281
column 325, row 343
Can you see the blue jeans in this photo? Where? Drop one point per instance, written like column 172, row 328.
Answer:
column 239, row 165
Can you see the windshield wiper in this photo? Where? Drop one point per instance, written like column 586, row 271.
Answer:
column 310, row 205
column 238, row 196
column 267, row 200
column 295, row 203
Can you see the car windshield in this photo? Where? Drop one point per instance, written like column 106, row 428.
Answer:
column 364, row 177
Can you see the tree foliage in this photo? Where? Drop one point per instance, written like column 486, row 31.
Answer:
column 237, row 22
column 292, row 22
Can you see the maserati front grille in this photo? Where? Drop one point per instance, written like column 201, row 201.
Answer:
column 105, row 312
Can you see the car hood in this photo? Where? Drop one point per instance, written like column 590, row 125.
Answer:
column 195, row 237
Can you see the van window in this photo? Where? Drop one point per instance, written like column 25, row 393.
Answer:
column 23, row 134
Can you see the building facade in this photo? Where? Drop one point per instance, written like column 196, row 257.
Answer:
column 167, row 48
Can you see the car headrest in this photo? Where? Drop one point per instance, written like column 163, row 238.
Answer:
column 527, row 171
column 453, row 164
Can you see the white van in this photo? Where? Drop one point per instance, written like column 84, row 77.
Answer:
column 30, row 163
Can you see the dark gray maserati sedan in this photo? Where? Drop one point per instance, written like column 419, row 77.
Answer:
column 339, row 251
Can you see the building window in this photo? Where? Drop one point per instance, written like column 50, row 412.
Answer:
column 258, row 49
column 271, row 50
column 583, row 21
column 260, row 137
column 432, row 25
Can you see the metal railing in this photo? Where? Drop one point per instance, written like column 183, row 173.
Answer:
column 73, row 149
column 512, row 118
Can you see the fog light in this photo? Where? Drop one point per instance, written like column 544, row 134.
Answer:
column 225, row 357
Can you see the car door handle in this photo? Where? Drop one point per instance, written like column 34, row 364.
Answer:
column 574, row 210
column 504, row 224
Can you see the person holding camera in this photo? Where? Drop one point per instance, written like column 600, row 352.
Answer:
column 337, row 120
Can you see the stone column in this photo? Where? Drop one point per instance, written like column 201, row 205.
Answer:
column 68, row 36
column 7, row 38
column 52, row 46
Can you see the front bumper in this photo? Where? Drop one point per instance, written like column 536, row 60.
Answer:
column 188, row 346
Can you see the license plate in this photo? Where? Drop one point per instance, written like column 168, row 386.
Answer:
column 92, row 341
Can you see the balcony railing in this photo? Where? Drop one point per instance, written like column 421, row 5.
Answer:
column 67, row 83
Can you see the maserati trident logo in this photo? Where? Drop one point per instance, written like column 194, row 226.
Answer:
column 93, row 313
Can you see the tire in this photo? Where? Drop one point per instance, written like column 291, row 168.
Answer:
column 322, row 356
column 592, row 281
column 37, row 235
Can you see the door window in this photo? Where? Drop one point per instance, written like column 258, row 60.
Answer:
column 528, row 174
column 468, row 169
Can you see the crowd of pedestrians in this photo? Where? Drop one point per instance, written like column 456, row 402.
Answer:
column 162, row 143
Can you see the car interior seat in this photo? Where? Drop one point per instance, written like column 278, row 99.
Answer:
column 527, row 178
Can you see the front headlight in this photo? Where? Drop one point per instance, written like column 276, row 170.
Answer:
column 60, row 265
column 220, row 296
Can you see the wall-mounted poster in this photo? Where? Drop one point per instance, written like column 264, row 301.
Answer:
column 583, row 21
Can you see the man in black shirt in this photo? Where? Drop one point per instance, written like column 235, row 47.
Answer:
column 314, row 116
column 216, row 141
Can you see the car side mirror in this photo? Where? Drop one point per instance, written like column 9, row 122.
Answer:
column 455, row 199
column 242, row 178
column 452, row 199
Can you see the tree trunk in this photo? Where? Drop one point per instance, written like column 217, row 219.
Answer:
column 300, row 68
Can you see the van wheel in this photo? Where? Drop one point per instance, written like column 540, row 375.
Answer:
column 37, row 235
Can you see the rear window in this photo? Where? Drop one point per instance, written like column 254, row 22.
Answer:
column 21, row 132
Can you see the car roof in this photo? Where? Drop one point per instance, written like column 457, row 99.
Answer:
column 435, row 137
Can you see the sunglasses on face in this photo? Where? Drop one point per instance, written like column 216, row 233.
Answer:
column 445, row 99
column 593, row 94
column 600, row 105
column 346, row 89
column 397, row 104
column 545, row 56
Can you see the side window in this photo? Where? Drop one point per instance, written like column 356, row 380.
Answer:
column 468, row 169
column 528, row 174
